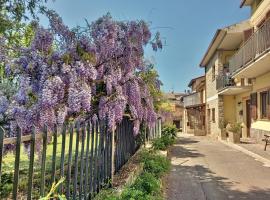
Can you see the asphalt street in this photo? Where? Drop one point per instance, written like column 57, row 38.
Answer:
column 204, row 169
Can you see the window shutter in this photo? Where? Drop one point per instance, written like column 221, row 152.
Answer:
column 253, row 103
column 248, row 33
column 268, row 104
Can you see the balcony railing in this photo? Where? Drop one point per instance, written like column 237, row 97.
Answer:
column 193, row 99
column 224, row 81
column 255, row 46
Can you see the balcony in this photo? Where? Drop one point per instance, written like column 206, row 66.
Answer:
column 253, row 58
column 227, row 86
column 193, row 99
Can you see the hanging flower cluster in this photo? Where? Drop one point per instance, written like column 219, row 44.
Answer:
column 93, row 72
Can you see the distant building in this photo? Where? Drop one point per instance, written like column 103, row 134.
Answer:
column 176, row 117
column 194, row 107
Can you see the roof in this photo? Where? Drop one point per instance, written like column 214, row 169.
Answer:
column 235, row 30
column 194, row 79
column 173, row 95
column 242, row 3
column 245, row 3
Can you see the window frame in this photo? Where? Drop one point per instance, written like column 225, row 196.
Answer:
column 213, row 72
column 213, row 110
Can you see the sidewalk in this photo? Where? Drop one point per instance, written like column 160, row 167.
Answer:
column 253, row 149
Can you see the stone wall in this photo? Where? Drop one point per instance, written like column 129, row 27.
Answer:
column 258, row 134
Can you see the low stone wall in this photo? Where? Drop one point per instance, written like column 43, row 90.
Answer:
column 258, row 134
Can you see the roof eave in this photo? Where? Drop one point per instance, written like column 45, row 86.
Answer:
column 242, row 3
column 194, row 79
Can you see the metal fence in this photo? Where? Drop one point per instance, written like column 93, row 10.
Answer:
column 254, row 47
column 84, row 153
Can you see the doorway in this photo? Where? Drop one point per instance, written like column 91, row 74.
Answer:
column 248, row 117
column 177, row 123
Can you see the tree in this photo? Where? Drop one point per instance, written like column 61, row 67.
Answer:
column 151, row 79
column 94, row 71
column 13, row 11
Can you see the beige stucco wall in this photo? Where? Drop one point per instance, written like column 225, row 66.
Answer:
column 229, row 111
column 212, row 99
column 260, row 12
column 210, row 84
column 259, row 84
column 225, row 56
column 212, row 126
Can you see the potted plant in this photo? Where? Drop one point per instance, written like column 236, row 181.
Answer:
column 234, row 131
column 223, row 133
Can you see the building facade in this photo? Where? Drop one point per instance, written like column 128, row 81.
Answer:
column 237, row 70
column 194, row 108
column 176, row 116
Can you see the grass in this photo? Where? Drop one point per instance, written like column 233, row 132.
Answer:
column 148, row 185
column 9, row 160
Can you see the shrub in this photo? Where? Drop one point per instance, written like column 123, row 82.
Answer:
column 147, row 183
column 163, row 143
column 108, row 194
column 6, row 185
column 170, row 130
column 134, row 194
column 168, row 135
column 155, row 164
column 235, row 128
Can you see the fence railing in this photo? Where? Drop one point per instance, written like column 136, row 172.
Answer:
column 254, row 47
column 224, row 81
column 85, row 154
column 193, row 99
column 125, row 143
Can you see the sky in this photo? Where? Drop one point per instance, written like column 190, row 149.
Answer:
column 186, row 26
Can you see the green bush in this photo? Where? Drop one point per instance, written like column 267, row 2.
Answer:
column 134, row 194
column 147, row 183
column 235, row 128
column 155, row 164
column 168, row 135
column 163, row 143
column 108, row 194
column 6, row 185
column 169, row 130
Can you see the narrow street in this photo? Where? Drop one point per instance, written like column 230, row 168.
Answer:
column 206, row 169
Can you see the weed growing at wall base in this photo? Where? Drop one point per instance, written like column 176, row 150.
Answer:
column 148, row 185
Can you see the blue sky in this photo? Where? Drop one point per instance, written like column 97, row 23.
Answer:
column 187, row 27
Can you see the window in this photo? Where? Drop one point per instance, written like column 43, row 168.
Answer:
column 213, row 72
column 263, row 105
column 213, row 115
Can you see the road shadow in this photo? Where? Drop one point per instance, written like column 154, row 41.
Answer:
column 180, row 149
column 208, row 186
column 198, row 182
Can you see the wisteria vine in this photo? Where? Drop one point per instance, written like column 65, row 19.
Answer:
column 66, row 74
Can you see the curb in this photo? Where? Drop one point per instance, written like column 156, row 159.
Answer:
column 265, row 161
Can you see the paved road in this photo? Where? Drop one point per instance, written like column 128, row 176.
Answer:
column 204, row 169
